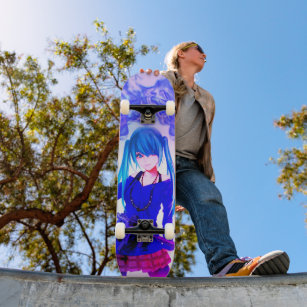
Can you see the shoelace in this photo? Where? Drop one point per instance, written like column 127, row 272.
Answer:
column 247, row 260
column 235, row 266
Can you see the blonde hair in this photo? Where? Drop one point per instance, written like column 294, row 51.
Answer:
column 171, row 58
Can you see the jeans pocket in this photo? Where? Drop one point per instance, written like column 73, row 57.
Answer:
column 183, row 164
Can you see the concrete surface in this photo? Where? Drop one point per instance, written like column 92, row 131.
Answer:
column 22, row 288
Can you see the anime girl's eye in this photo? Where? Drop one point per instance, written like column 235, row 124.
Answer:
column 139, row 155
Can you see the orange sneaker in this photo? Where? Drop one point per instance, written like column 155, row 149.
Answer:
column 276, row 262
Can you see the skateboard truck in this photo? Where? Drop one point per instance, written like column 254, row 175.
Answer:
column 144, row 230
column 147, row 111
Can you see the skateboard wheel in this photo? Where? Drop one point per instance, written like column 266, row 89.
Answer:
column 124, row 107
column 120, row 231
column 170, row 107
column 169, row 231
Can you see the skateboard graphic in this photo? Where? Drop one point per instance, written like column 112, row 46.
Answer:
column 145, row 219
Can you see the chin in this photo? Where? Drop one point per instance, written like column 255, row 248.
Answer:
column 199, row 69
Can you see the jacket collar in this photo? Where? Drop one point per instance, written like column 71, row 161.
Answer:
column 199, row 93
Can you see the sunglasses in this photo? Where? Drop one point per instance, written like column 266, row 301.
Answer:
column 200, row 49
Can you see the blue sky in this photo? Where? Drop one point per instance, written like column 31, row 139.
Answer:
column 256, row 70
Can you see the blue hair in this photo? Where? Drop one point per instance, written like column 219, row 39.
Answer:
column 147, row 141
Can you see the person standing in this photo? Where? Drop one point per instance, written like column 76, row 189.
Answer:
column 195, row 180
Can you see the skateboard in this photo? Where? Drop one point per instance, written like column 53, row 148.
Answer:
column 145, row 218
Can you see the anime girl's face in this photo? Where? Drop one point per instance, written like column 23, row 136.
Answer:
column 147, row 162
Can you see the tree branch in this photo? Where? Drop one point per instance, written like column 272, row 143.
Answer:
column 58, row 218
column 51, row 249
column 97, row 88
column 35, row 106
column 15, row 176
column 68, row 169
column 106, row 254
column 56, row 141
column 89, row 243
column 15, row 101
column 47, row 241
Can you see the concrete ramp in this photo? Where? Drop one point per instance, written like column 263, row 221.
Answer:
column 22, row 288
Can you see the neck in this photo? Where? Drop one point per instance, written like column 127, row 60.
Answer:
column 188, row 74
column 152, row 172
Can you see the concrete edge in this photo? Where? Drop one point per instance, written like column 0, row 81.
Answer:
column 186, row 282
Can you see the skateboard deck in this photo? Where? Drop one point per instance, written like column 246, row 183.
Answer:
column 146, row 178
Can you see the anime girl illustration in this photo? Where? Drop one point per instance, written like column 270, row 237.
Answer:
column 145, row 194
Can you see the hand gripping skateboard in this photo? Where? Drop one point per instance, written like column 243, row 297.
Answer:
column 146, row 177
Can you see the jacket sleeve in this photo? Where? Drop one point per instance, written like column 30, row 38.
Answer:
column 169, row 74
column 212, row 117
column 210, row 132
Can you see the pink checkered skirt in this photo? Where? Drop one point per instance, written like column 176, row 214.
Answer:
column 144, row 263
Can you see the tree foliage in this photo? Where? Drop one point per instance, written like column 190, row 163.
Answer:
column 58, row 156
column 293, row 162
column 185, row 247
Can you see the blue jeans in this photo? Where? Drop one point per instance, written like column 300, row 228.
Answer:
column 203, row 200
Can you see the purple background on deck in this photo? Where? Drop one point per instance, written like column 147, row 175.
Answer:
column 147, row 89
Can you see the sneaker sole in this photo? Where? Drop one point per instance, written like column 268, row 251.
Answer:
column 276, row 262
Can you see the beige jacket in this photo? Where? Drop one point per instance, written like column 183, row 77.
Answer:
column 206, row 100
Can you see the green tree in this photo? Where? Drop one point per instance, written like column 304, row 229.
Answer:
column 185, row 245
column 58, row 156
column 293, row 162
